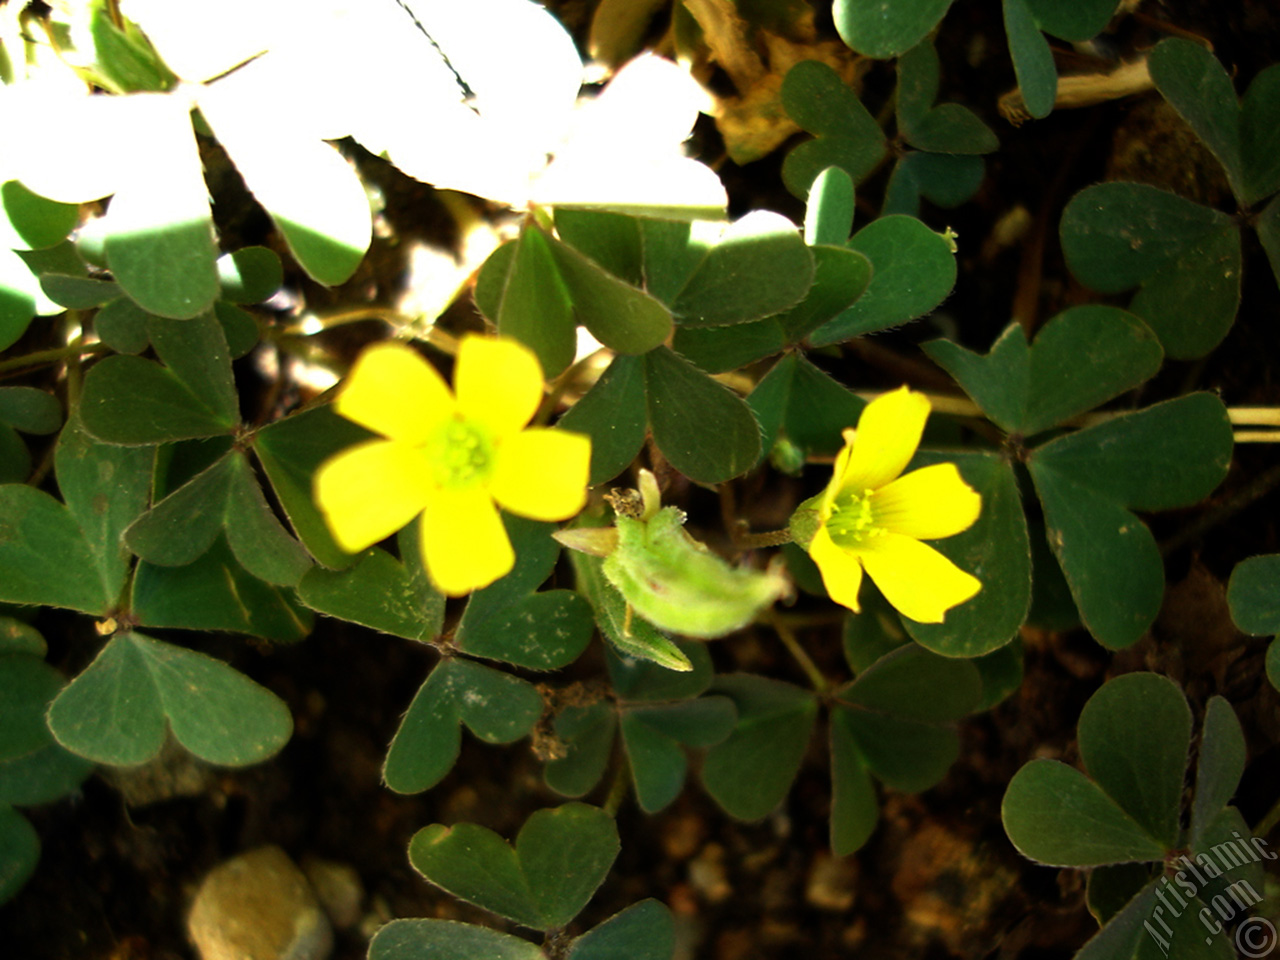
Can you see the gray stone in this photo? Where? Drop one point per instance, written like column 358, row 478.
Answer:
column 258, row 906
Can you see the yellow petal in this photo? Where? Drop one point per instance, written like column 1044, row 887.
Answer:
column 888, row 433
column 498, row 382
column 395, row 392
column 928, row 504
column 464, row 543
column 369, row 491
column 841, row 570
column 915, row 578
column 542, row 474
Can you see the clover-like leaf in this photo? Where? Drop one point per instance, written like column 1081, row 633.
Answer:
column 1081, row 358
column 1184, row 257
column 447, row 940
column 846, row 135
column 508, row 621
column 560, row 857
column 117, row 709
column 749, row 773
column 913, row 269
column 380, row 592
column 882, row 32
column 496, row 707
column 1165, row 456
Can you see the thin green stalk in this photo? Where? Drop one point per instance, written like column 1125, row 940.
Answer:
column 54, row 355
column 789, row 640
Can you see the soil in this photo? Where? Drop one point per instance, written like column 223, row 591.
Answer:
column 939, row 878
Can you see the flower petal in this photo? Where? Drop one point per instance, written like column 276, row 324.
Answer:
column 464, row 544
column 928, row 504
column 542, row 473
column 915, row 578
column 395, row 392
column 369, row 491
column 887, row 436
column 841, row 570
column 498, row 382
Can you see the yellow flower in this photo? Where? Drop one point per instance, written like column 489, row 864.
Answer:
column 449, row 458
column 870, row 518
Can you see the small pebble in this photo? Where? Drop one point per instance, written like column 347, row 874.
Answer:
column 339, row 889
column 258, row 906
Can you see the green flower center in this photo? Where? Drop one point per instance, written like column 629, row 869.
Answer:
column 853, row 520
column 461, row 455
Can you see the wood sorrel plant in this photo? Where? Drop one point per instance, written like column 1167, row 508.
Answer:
column 173, row 498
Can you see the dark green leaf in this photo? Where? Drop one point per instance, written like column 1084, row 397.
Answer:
column 913, row 269
column 749, row 773
column 44, row 556
column 912, row 683
column 854, row 809
column 15, row 459
column 181, row 527
column 882, row 32
column 1168, row 455
column 798, row 401
column 507, row 621
column 996, row 549
column 250, row 274
column 447, row 940
column 622, row 317
column 721, row 349
column 948, row 128
column 128, row 400
column 1074, row 22
column 290, row 451
column 496, row 707
column 115, row 711
column 1108, row 889
column 27, row 684
column 1108, row 556
column 1196, row 85
column 1080, row 359
column 1253, row 593
column 704, row 429
column 1057, row 816
column 1134, row 736
column 944, row 179
column 216, row 593
column 379, row 592
column 905, row 754
column 846, row 135
column 643, row 931
column 19, row 290
column 651, row 736
column 28, row 221
column 1186, row 258
column 78, row 293
column 643, row 681
column 610, row 239
column 1260, row 135
column 536, row 308
column 122, row 326
column 196, row 352
column 19, row 852
column 613, row 415
column 587, row 735
column 1268, row 227
column 238, row 327
column 1219, row 767
column 30, row 410
column 1032, row 58
column 560, row 857
column 1001, row 672
column 758, row 267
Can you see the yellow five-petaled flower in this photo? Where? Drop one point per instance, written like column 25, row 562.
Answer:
column 450, row 456
column 871, row 518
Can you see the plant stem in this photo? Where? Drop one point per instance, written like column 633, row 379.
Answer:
column 769, row 538
column 789, row 640
column 617, row 791
column 1268, row 822
column 41, row 357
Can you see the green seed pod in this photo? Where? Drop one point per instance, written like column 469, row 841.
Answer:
column 677, row 584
